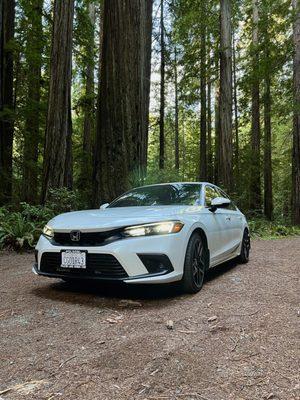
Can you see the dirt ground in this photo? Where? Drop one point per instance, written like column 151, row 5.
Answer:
column 237, row 339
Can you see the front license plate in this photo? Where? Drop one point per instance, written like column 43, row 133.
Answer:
column 73, row 259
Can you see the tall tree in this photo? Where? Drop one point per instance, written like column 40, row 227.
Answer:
column 124, row 96
column 88, row 133
column 162, row 89
column 225, row 176
column 267, row 100
column 255, row 179
column 236, row 118
column 210, row 172
column 176, row 110
column 34, row 48
column 58, row 146
column 7, row 21
column 203, row 97
column 296, row 129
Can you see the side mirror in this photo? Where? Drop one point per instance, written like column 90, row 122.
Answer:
column 219, row 202
column 104, row 206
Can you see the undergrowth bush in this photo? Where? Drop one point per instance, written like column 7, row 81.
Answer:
column 20, row 228
column 262, row 228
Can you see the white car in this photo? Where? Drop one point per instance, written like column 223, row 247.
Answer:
column 150, row 235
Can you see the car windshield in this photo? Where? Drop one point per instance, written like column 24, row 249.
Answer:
column 160, row 195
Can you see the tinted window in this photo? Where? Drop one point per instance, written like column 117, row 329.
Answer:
column 160, row 195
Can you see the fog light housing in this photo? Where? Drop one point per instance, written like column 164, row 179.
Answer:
column 156, row 263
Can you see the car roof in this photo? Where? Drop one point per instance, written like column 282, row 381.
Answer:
column 177, row 183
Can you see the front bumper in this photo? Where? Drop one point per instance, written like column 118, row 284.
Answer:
column 128, row 253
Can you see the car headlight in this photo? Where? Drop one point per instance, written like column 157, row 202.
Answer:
column 158, row 228
column 48, row 231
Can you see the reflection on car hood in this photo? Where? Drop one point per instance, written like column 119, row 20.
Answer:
column 112, row 218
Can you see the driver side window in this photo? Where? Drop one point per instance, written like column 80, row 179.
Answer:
column 210, row 194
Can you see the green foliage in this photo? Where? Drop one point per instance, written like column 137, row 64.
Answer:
column 17, row 232
column 261, row 228
column 63, row 200
column 20, row 230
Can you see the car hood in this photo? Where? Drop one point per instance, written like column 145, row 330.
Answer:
column 113, row 218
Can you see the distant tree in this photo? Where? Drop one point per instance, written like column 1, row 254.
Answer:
column 33, row 54
column 122, row 126
column 225, row 175
column 7, row 28
column 296, row 129
column 162, row 89
column 203, row 95
column 58, row 146
column 85, row 39
column 176, row 109
column 267, row 101
column 255, row 180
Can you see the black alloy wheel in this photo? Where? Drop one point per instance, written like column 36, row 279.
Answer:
column 195, row 264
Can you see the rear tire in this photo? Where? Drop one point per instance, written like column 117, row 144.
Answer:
column 243, row 258
column 195, row 264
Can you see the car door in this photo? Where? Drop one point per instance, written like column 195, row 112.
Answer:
column 218, row 225
column 235, row 222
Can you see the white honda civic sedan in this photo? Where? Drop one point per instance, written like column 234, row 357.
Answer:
column 150, row 235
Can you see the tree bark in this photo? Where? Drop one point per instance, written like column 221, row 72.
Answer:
column 162, row 90
column 122, row 125
column 296, row 129
column 203, row 99
column 32, row 123
column 89, row 106
column 7, row 20
column 255, row 179
column 268, row 184
column 217, row 122
column 176, row 113
column 58, row 146
column 236, row 119
column 225, row 140
column 210, row 168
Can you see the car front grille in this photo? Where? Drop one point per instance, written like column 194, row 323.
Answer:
column 103, row 266
column 86, row 238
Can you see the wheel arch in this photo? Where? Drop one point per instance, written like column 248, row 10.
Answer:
column 202, row 233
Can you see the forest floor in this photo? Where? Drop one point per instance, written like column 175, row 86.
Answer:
column 237, row 339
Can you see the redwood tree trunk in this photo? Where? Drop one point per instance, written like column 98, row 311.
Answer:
column 268, row 183
column 296, row 130
column 236, row 119
column 176, row 114
column 32, row 123
column 210, row 168
column 122, row 124
column 162, row 90
column 225, row 137
column 203, row 111
column 7, row 19
column 58, row 146
column 255, row 179
column 268, row 187
column 89, row 107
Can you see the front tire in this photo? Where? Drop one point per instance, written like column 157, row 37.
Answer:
column 245, row 249
column 195, row 264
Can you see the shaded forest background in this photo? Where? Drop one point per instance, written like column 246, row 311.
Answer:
column 97, row 97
